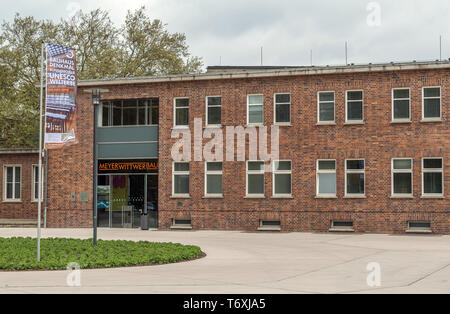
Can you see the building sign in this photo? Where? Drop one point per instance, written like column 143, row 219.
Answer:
column 61, row 97
column 127, row 166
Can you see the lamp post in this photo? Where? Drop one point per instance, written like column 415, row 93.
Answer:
column 96, row 98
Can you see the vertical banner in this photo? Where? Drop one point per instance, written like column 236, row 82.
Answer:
column 61, row 97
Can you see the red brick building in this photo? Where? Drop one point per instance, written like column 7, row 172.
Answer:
column 362, row 148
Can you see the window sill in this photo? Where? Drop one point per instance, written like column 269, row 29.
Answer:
column 419, row 231
column 213, row 127
column 12, row 201
column 354, row 123
column 401, row 122
column 269, row 229
column 213, row 197
column 283, row 197
column 341, row 230
column 431, row 120
column 180, row 197
column 399, row 197
column 181, row 128
column 355, row 197
column 436, row 197
column 326, row 197
column 254, row 125
column 255, row 197
column 283, row 124
column 325, row 123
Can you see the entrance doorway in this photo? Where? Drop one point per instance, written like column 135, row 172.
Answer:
column 122, row 199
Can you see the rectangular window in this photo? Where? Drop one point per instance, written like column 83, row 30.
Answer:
column 255, row 178
column 282, row 108
column 355, row 106
column 214, row 110
column 180, row 179
column 401, row 104
column 181, row 112
column 355, row 177
column 326, row 107
column 214, row 175
column 402, row 170
column 35, row 184
column 12, row 183
column 433, row 176
column 255, row 110
column 326, row 178
column 130, row 112
column 431, row 103
column 282, row 178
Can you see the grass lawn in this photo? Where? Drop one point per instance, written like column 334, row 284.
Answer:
column 18, row 254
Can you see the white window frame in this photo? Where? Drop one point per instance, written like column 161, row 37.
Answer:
column 440, row 170
column 318, row 172
column 175, row 113
column 326, row 102
column 393, row 104
column 207, row 115
column 354, row 171
column 254, row 105
column 423, row 104
column 33, row 183
column 249, row 172
column 209, row 172
column 275, row 103
column 394, row 171
column 347, row 101
column 180, row 173
column 275, row 172
column 12, row 200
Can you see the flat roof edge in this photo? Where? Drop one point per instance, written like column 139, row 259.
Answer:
column 268, row 73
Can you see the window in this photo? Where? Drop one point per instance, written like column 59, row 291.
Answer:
column 180, row 179
column 214, row 110
column 355, row 106
column 255, row 111
column 342, row 225
column 431, row 103
column 269, row 225
column 355, row 177
column 433, row 176
column 326, row 107
column 419, row 226
column 255, row 178
column 401, row 104
column 129, row 112
column 282, row 178
column 402, row 177
column 326, row 178
column 282, row 108
column 12, row 183
column 35, row 184
column 181, row 112
column 214, row 174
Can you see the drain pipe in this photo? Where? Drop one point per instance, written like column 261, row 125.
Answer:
column 46, row 187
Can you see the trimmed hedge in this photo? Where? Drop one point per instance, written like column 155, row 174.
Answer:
column 20, row 254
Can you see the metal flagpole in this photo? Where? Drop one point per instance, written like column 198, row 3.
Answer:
column 40, row 157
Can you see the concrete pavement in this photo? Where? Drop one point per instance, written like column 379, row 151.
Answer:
column 257, row 263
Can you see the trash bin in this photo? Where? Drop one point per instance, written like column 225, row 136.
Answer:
column 144, row 219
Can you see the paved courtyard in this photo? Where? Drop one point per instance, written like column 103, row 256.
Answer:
column 257, row 263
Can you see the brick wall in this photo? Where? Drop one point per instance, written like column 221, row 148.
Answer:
column 26, row 209
column 377, row 141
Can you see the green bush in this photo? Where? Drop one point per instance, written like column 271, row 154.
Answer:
column 56, row 254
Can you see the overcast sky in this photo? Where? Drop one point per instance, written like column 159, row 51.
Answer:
column 235, row 30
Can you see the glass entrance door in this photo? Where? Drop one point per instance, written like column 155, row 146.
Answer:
column 121, row 200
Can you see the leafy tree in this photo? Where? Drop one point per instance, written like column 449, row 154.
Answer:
column 140, row 47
